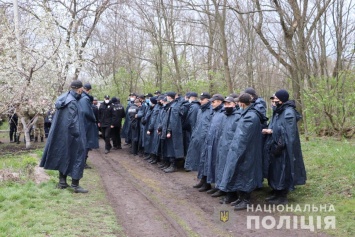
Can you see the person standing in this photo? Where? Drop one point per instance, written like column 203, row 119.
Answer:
column 118, row 113
column 92, row 138
column 207, row 166
column 286, row 168
column 13, row 121
column 105, row 122
column 65, row 147
column 243, row 168
column 135, row 125
column 126, row 129
column 198, row 137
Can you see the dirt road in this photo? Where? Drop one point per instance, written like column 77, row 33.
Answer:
column 149, row 202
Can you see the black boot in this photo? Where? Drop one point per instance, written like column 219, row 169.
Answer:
column 42, row 139
column 272, row 196
column 201, row 183
column 62, row 181
column 86, row 164
column 36, row 139
column 205, row 187
column 167, row 164
column 212, row 191
column 162, row 164
column 280, row 199
column 172, row 168
column 18, row 139
column 230, row 197
column 147, row 157
column 154, row 159
column 244, row 198
column 219, row 193
column 77, row 188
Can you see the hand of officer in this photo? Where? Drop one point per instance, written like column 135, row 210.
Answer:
column 266, row 131
column 148, row 132
column 99, row 124
column 112, row 126
column 168, row 135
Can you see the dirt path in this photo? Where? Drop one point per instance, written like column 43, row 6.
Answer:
column 149, row 202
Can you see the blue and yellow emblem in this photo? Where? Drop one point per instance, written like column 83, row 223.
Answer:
column 224, row 216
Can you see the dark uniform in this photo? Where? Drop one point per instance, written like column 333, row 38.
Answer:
column 118, row 113
column 105, row 122
column 13, row 121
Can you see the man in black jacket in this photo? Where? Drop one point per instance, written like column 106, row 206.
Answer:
column 105, row 122
column 118, row 112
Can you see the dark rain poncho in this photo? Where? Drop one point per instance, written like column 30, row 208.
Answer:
column 173, row 146
column 198, row 137
column 230, row 123
column 65, row 148
column 209, row 153
column 92, row 136
column 126, row 129
column 243, row 169
column 153, row 128
column 146, row 121
column 286, row 161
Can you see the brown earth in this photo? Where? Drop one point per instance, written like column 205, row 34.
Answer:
column 148, row 202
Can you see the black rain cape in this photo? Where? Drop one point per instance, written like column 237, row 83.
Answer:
column 243, row 169
column 65, row 147
column 286, row 168
column 198, row 137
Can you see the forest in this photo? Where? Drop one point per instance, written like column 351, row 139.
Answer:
column 215, row 46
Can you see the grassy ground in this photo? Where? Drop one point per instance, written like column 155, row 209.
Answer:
column 330, row 168
column 28, row 209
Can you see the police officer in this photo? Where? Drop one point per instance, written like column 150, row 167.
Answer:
column 65, row 147
column 13, row 121
column 105, row 122
column 135, row 125
column 118, row 113
column 92, row 138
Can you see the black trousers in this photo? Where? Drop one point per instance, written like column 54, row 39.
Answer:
column 106, row 133
column 13, row 130
column 116, row 136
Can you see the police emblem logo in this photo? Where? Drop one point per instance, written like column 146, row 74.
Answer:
column 224, row 216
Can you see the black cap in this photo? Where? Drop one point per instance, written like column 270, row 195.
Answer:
column 87, row 86
column 157, row 92
column 217, row 97
column 205, row 95
column 107, row 97
column 172, row 94
column 132, row 94
column 95, row 99
column 250, row 91
column 187, row 95
column 154, row 100
column 161, row 97
column 193, row 94
column 114, row 100
column 233, row 95
column 282, row 95
column 141, row 96
column 229, row 99
column 149, row 95
column 76, row 84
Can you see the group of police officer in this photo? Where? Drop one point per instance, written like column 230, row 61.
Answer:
column 39, row 122
column 227, row 140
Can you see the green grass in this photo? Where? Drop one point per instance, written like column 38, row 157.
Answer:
column 28, row 209
column 330, row 166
